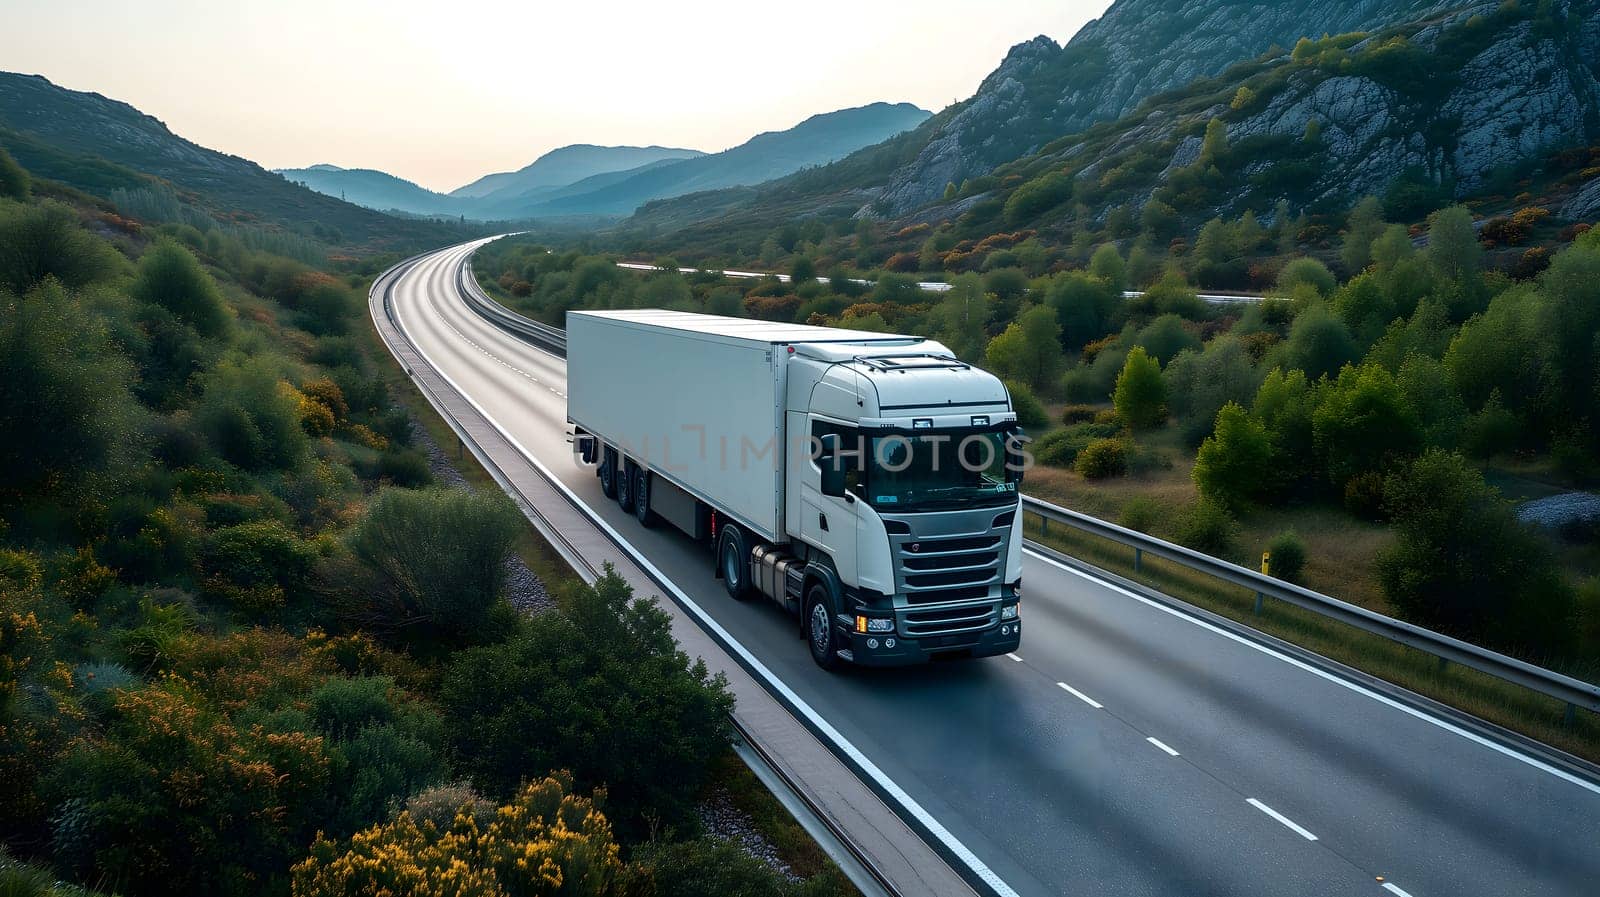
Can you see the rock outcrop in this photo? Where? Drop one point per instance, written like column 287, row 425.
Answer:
column 1139, row 48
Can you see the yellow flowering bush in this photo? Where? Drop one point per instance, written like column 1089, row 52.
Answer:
column 547, row 841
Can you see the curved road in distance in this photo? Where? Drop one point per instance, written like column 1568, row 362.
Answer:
column 1128, row 748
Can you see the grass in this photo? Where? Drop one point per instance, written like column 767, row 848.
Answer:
column 1479, row 694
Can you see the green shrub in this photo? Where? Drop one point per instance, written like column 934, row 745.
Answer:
column 599, row 686
column 703, row 866
column 1288, row 556
column 1102, row 458
column 436, row 560
column 250, row 419
column 1306, row 271
column 1030, row 411
column 45, row 240
column 259, row 553
column 14, row 181
column 170, row 277
column 1057, row 449
column 1140, row 513
column 440, row 804
column 341, row 707
column 406, row 468
column 1078, row 413
column 1208, row 527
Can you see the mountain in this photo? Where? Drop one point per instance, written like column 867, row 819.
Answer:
column 374, row 189
column 100, row 145
column 818, row 140
column 1466, row 104
column 565, row 165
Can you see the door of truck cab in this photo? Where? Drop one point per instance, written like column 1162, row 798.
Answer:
column 828, row 522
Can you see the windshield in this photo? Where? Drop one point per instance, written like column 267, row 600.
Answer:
column 929, row 470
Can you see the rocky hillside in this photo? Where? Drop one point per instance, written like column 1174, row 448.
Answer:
column 1460, row 104
column 1138, row 48
column 98, row 145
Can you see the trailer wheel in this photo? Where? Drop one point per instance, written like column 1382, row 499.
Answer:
column 820, row 637
column 641, row 497
column 733, row 563
column 608, row 472
column 625, row 485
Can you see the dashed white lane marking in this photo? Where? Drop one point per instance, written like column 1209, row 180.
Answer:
column 1394, row 889
column 1289, row 823
column 1014, row 657
column 1158, row 743
column 1079, row 695
column 497, row 359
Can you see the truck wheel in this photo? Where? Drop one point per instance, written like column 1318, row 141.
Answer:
column 625, row 485
column 608, row 472
column 733, row 563
column 819, row 629
column 641, row 498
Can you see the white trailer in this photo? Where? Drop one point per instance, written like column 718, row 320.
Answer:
column 828, row 469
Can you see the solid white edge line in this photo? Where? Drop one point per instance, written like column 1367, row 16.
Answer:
column 1080, row 695
column 1394, row 889
column 1331, row 677
column 951, row 843
column 1162, row 745
column 1289, row 823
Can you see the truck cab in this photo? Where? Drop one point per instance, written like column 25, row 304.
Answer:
column 908, row 491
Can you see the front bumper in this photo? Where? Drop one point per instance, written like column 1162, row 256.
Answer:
column 874, row 650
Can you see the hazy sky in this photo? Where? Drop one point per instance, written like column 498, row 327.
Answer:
column 442, row 93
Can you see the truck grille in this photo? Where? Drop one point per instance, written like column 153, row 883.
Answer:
column 945, row 622
column 944, row 570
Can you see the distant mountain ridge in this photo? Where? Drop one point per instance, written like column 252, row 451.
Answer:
column 373, row 189
column 815, row 141
column 565, row 165
column 98, row 144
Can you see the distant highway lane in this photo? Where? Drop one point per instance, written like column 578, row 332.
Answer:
column 1129, row 747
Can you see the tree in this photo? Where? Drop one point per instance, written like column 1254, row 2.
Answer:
column 1085, row 307
column 1165, row 337
column 1285, row 404
column 13, row 178
column 1306, row 272
column 802, row 271
column 1462, row 563
column 436, row 559
column 1363, row 425
column 171, row 277
column 1319, row 344
column 1364, row 225
column 1425, row 384
column 1233, row 464
column 1107, row 264
column 599, row 685
column 1141, row 395
column 959, row 317
column 1242, row 98
column 1214, row 146
column 1199, row 384
column 1030, row 348
column 67, row 416
column 1457, row 258
column 1490, row 353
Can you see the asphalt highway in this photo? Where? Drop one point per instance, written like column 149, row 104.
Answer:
column 1127, row 748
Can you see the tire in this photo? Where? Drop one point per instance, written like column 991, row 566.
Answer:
column 608, row 472
column 625, row 486
column 641, row 498
column 820, row 637
column 733, row 563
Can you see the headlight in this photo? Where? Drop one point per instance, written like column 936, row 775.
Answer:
column 1009, row 612
column 874, row 624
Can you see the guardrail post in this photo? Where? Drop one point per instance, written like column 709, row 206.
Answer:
column 1044, row 525
column 1444, row 662
column 1570, row 716
column 1138, row 559
column 461, row 448
column 1258, row 604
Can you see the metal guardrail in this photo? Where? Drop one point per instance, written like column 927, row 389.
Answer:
column 1573, row 692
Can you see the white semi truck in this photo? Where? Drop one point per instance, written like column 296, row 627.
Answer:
column 868, row 482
